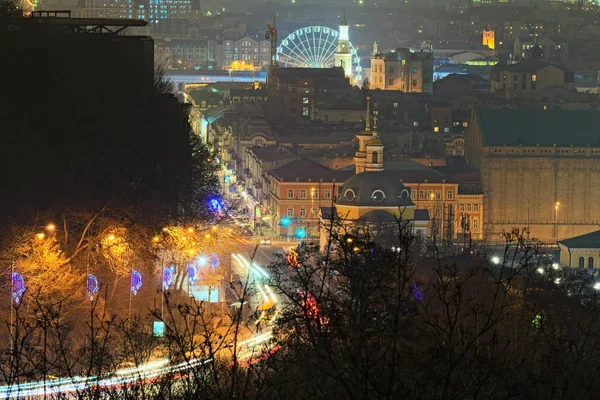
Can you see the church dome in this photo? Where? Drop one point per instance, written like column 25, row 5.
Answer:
column 374, row 189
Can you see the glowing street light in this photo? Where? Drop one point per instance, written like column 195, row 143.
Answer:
column 496, row 260
column 202, row 261
column 50, row 227
column 40, row 235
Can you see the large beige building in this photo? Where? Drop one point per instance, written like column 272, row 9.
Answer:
column 402, row 70
column 528, row 76
column 539, row 170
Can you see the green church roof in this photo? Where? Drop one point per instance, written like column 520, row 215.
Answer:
column 577, row 128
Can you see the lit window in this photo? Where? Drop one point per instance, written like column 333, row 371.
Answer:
column 305, row 100
column 533, row 78
column 305, row 111
column 446, row 129
column 416, row 123
column 290, row 193
column 465, row 124
column 449, row 195
column 395, row 105
column 303, row 193
column 436, row 129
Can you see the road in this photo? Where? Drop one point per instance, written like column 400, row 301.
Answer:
column 147, row 373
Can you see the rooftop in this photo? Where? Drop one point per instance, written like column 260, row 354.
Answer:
column 538, row 127
column 588, row 241
column 305, row 170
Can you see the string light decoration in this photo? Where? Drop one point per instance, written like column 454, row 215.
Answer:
column 92, row 286
column 417, row 293
column 192, row 270
column 214, row 261
column 18, row 287
column 136, row 281
column 168, row 277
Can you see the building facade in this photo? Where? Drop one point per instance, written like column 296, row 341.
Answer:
column 296, row 193
column 539, row 170
column 402, row 70
column 245, row 54
column 529, row 75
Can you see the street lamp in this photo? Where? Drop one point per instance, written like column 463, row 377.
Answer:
column 528, row 219
column 556, row 207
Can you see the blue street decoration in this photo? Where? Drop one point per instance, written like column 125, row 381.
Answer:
column 215, row 204
column 202, row 261
column 214, row 261
column 417, row 293
column 136, row 281
column 168, row 277
column 92, row 286
column 285, row 221
column 18, row 287
column 158, row 329
column 300, row 233
column 192, row 270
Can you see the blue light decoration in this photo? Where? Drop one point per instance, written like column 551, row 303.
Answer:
column 300, row 233
column 285, row 221
column 168, row 277
column 136, row 281
column 202, row 261
column 215, row 204
column 227, row 179
column 214, row 261
column 158, row 329
column 192, row 270
column 18, row 287
column 92, row 286
column 417, row 293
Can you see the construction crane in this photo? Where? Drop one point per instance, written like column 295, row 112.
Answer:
column 271, row 34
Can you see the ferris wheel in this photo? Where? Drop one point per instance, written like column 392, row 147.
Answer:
column 313, row 47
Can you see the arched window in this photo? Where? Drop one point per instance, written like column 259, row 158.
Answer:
column 591, row 263
column 581, row 262
column 374, row 158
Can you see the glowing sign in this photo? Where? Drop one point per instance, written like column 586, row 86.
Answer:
column 136, row 281
column 92, row 286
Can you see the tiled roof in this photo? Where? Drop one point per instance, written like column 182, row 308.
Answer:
column 272, row 153
column 538, row 127
column 527, row 66
column 588, row 241
column 305, row 170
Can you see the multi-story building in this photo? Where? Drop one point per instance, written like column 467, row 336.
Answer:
column 150, row 10
column 402, row 70
column 298, row 190
column 186, row 54
column 539, row 170
column 246, row 54
column 300, row 90
column 552, row 50
column 529, row 75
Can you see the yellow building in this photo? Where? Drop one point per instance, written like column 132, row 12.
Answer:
column 373, row 196
column 489, row 39
column 581, row 251
column 402, row 70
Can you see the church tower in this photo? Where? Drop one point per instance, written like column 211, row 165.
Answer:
column 343, row 55
column 374, row 150
column 360, row 157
